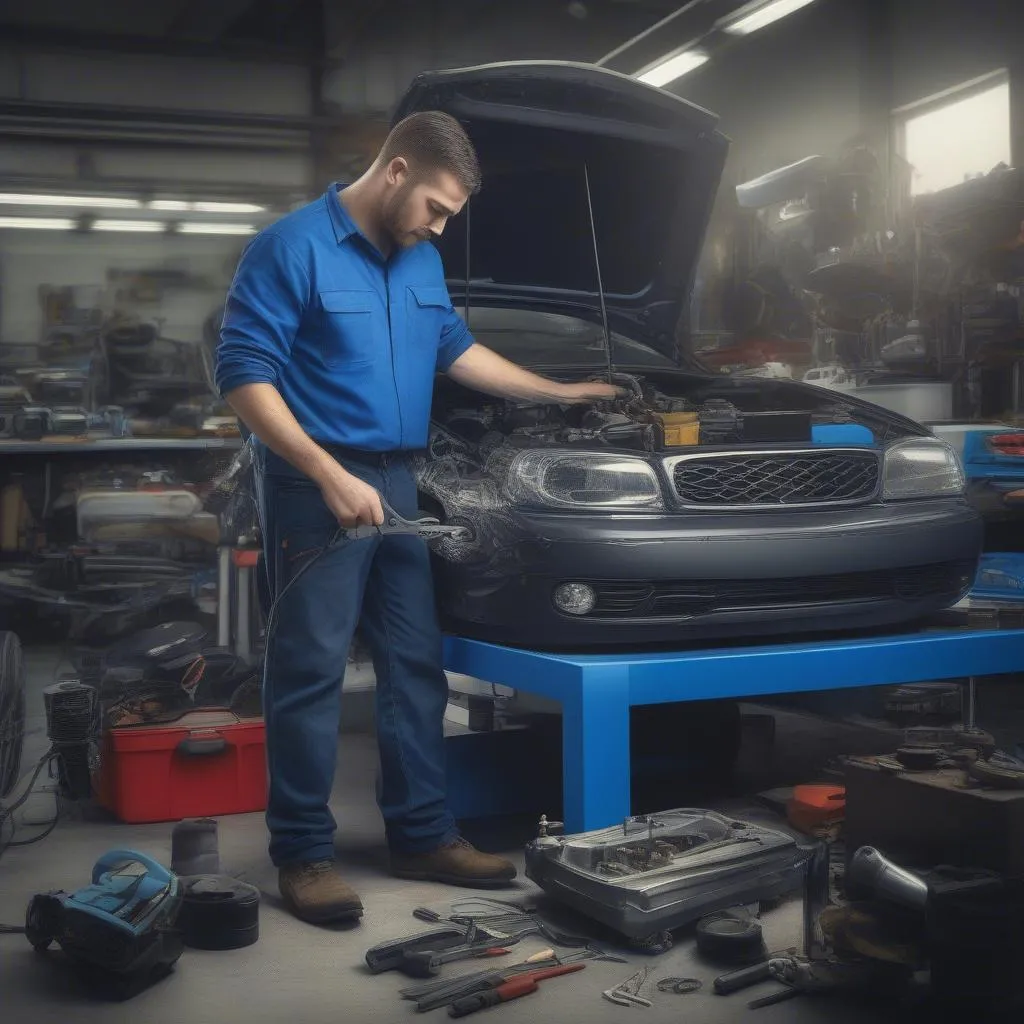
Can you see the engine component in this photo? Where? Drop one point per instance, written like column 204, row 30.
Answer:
column 194, row 848
column 72, row 724
column 71, row 422
column 731, row 937
column 31, row 422
column 681, row 428
column 218, row 912
column 666, row 870
column 880, row 878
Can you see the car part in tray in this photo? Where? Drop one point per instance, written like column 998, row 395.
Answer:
column 655, row 873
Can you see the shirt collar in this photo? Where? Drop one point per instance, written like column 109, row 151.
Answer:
column 344, row 225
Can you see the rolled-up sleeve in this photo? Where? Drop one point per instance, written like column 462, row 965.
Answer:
column 455, row 339
column 264, row 309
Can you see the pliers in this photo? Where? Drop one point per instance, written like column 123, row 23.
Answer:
column 428, row 528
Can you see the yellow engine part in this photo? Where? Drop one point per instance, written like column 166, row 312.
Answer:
column 681, row 428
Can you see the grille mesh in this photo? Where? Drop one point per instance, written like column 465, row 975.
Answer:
column 683, row 598
column 777, row 478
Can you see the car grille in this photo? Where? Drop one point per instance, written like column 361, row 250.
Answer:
column 680, row 599
column 767, row 479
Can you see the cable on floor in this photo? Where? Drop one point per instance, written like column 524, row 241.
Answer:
column 7, row 811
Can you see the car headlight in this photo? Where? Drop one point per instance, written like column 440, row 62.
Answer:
column 584, row 480
column 921, row 468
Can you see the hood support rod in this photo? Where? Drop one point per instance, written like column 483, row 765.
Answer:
column 597, row 267
column 469, row 204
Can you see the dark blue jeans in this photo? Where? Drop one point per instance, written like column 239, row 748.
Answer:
column 383, row 585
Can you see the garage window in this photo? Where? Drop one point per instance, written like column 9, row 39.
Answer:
column 959, row 135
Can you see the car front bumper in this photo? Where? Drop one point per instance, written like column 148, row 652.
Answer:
column 668, row 578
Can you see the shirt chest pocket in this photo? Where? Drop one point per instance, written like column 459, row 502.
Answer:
column 428, row 309
column 352, row 333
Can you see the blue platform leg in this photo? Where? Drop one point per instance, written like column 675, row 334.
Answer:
column 595, row 748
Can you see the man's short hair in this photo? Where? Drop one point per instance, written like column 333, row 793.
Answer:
column 434, row 141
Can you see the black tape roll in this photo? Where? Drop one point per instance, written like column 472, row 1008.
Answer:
column 218, row 912
column 731, row 937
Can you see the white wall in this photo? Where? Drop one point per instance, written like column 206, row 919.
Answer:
column 30, row 259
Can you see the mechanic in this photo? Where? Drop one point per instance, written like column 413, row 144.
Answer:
column 336, row 322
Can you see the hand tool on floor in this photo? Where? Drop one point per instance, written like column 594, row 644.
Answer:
column 423, row 954
column 509, row 918
column 627, row 993
column 420, row 963
column 388, row 956
column 428, row 527
column 680, row 986
column 745, row 977
column 444, row 991
column 119, row 930
column 514, row 988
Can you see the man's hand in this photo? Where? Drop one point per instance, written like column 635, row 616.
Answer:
column 262, row 409
column 354, row 502
column 591, row 391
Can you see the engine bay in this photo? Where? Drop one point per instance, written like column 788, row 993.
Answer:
column 647, row 418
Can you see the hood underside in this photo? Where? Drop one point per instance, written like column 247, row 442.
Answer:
column 563, row 147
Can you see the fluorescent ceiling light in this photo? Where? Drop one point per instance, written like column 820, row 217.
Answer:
column 671, row 68
column 18, row 199
column 228, row 208
column 151, row 226
column 205, row 207
column 199, row 228
column 753, row 17
column 38, row 223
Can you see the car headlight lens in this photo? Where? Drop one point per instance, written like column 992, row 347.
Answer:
column 585, row 480
column 922, row 468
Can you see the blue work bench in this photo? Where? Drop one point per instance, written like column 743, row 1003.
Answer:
column 597, row 691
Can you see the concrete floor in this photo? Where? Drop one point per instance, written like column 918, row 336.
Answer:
column 316, row 975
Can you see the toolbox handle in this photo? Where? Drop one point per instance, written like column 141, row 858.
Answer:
column 202, row 746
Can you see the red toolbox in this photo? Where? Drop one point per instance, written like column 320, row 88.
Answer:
column 206, row 763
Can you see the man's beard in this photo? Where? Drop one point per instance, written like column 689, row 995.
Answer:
column 392, row 220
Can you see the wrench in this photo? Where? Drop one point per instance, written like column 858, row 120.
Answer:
column 428, row 528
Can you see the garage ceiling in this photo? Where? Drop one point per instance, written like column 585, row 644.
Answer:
column 283, row 28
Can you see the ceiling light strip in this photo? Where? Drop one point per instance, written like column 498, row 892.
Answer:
column 757, row 16
column 142, row 226
column 38, row 223
column 107, row 202
column 202, row 228
column 668, row 69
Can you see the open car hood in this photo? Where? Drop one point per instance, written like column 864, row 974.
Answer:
column 543, row 130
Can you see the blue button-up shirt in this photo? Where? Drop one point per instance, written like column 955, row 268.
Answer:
column 352, row 341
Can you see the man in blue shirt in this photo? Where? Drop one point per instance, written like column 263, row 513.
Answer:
column 335, row 325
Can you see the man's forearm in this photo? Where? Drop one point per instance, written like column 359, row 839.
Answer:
column 483, row 370
column 262, row 409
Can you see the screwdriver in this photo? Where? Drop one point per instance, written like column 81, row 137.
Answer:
column 524, row 985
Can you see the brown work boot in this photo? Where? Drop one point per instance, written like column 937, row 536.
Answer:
column 455, row 863
column 314, row 892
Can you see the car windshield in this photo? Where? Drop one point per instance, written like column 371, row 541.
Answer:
column 533, row 338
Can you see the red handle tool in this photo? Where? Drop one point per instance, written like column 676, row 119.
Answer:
column 523, row 985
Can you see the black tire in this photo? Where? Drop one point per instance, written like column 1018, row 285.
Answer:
column 12, row 711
